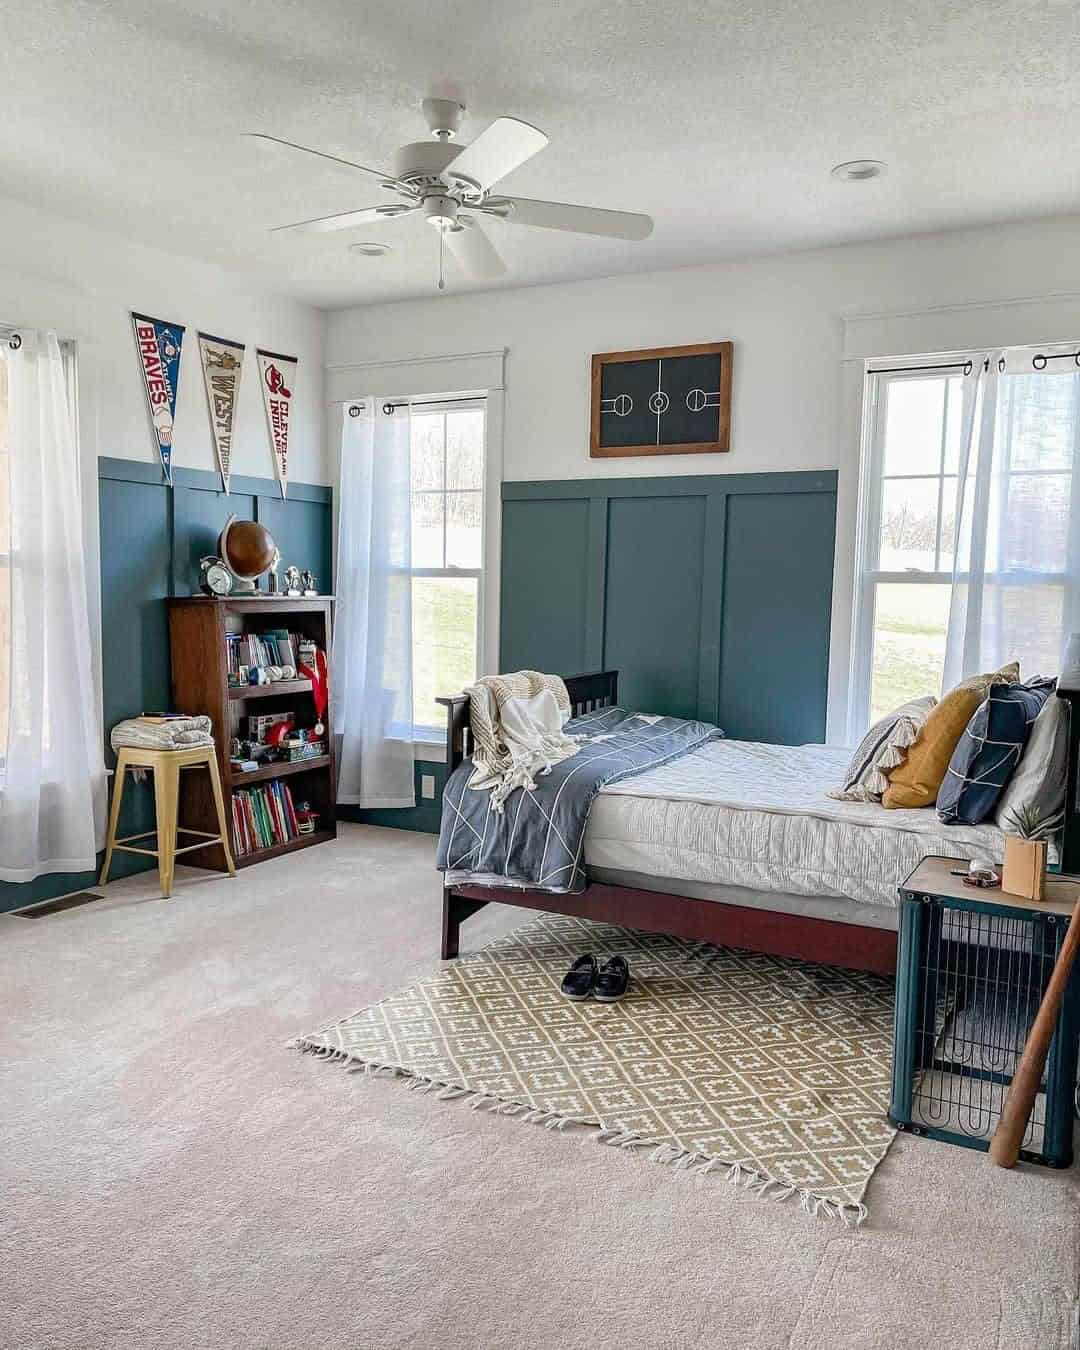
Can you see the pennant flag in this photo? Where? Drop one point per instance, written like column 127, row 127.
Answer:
column 277, row 375
column 222, row 362
column 159, row 354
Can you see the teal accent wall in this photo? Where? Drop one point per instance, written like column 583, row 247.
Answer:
column 424, row 816
column 152, row 538
column 711, row 595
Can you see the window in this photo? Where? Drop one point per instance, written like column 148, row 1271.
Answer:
column 447, row 456
column 1011, row 595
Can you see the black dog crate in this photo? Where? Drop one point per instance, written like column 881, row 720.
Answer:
column 973, row 966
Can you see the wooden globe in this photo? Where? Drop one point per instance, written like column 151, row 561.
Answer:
column 246, row 547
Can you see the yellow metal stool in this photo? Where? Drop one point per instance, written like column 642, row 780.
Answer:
column 165, row 766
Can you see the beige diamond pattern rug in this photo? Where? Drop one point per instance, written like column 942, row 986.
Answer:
column 773, row 1071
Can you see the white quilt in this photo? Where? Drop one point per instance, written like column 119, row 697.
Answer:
column 747, row 814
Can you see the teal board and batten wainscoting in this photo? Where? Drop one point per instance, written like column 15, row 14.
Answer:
column 712, row 596
column 152, row 538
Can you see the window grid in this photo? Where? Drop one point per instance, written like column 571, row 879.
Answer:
column 426, row 662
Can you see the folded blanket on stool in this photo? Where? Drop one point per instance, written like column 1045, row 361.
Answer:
column 517, row 731
column 179, row 733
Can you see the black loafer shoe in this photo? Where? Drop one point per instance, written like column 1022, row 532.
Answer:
column 580, row 980
column 612, row 980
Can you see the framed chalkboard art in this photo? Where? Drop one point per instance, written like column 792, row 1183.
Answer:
column 667, row 401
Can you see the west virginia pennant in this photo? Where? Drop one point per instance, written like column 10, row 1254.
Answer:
column 222, row 363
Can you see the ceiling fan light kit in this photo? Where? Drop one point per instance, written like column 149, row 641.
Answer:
column 437, row 178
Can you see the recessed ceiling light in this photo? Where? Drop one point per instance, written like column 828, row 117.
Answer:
column 858, row 170
column 371, row 248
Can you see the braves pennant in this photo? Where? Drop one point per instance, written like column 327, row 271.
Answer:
column 159, row 354
column 277, row 375
column 222, row 362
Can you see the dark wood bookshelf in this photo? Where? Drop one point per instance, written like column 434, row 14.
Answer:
column 200, row 684
column 275, row 690
column 279, row 769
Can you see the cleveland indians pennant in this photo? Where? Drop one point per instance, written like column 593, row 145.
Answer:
column 159, row 355
column 277, row 375
column 222, row 362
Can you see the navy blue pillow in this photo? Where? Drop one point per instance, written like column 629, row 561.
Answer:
column 989, row 751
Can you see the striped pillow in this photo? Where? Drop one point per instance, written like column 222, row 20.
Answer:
column 884, row 747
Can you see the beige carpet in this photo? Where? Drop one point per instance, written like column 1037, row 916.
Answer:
column 172, row 1179
column 775, row 1072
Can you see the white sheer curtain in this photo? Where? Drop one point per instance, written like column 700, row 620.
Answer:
column 52, row 778
column 1016, row 574
column 372, row 675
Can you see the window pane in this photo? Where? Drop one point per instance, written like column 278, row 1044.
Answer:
column 444, row 642
column 1037, row 614
column 913, row 422
column 426, row 443
column 954, row 413
column 1029, row 522
column 909, row 511
column 463, row 523
column 1036, row 420
column 427, row 529
column 465, row 448
column 909, row 643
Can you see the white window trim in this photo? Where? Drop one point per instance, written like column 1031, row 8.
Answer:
column 876, row 375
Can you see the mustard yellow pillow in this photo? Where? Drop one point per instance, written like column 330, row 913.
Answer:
column 917, row 780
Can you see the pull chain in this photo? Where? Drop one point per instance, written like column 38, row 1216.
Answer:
column 442, row 283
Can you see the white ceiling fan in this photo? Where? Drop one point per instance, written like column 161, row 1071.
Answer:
column 451, row 185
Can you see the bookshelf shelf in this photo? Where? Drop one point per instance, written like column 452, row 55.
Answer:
column 245, row 691
column 305, row 840
column 279, row 770
column 200, row 684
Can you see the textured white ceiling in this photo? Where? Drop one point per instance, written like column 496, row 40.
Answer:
column 722, row 120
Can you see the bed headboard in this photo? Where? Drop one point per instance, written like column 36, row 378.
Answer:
column 587, row 693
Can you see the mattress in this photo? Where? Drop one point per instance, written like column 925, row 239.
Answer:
column 755, row 816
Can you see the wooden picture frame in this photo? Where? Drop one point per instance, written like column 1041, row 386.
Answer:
column 620, row 420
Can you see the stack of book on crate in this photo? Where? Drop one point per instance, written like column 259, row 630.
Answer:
column 262, row 817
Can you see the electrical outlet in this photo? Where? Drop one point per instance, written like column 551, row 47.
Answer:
column 427, row 786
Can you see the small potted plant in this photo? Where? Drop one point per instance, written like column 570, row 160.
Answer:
column 1024, row 872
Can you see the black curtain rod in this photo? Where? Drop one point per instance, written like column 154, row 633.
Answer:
column 389, row 408
column 1038, row 361
column 966, row 366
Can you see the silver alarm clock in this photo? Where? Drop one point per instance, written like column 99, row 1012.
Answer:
column 216, row 579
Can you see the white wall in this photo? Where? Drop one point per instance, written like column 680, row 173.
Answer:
column 798, row 321
column 56, row 273
column 85, row 283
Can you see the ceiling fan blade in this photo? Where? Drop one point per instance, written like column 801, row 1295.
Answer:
column 474, row 252
column 347, row 219
column 387, row 178
column 498, row 150
column 579, row 219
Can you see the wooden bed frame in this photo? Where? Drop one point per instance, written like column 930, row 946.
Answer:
column 825, row 940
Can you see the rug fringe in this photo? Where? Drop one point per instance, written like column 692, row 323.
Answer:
column 851, row 1215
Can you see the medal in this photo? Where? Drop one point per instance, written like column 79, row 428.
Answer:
column 316, row 673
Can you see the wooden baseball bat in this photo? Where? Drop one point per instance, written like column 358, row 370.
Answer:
column 1005, row 1145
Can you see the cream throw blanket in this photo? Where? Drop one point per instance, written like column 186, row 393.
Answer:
column 177, row 734
column 517, row 731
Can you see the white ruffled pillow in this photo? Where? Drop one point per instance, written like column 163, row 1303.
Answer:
column 884, row 747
